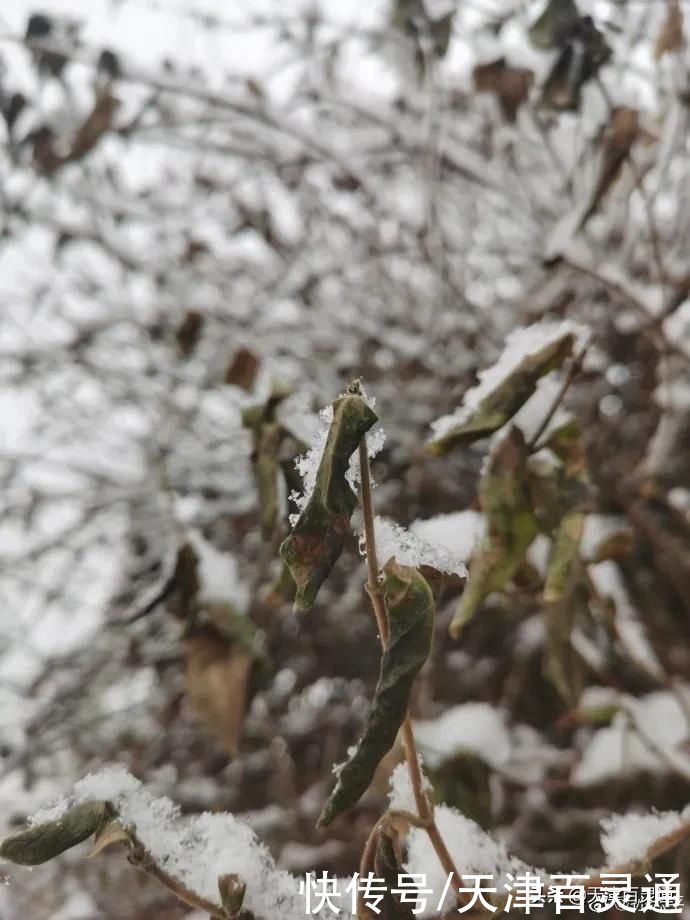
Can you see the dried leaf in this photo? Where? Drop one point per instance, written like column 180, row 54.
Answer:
column 389, row 865
column 562, row 665
column 618, row 138
column 188, row 332
column 617, row 545
column 38, row 844
column 243, row 369
column 501, row 403
column 511, row 85
column 511, row 526
column 670, row 36
column 318, row 537
column 217, row 674
column 110, row 833
column 410, row 606
column 96, row 124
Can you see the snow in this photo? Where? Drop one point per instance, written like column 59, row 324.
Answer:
column 458, row 533
column 626, row 838
column 471, row 728
column 195, row 850
column 218, row 573
column 608, row 581
column 520, row 344
column 393, row 540
column 618, row 750
column 469, row 845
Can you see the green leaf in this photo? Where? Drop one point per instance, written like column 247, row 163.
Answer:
column 410, row 606
column 554, row 24
column 511, row 526
column 500, row 402
column 318, row 537
column 43, row 842
column 564, row 553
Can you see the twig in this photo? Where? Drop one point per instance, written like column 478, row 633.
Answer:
column 575, row 366
column 424, row 806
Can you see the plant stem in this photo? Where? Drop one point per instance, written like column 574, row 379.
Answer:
column 142, row 859
column 575, row 365
column 424, row 806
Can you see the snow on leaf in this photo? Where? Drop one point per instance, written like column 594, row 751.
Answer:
column 627, row 838
column 196, row 850
column 530, row 353
column 319, row 535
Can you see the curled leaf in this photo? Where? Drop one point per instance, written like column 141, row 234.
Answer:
column 108, row 834
column 410, row 606
column 511, row 526
column 242, row 369
column 43, row 842
column 319, row 535
column 670, row 37
column 530, row 353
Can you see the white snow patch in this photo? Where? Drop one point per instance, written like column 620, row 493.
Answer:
column 394, row 541
column 459, row 533
column 625, row 838
column 218, row 573
column 472, row 728
column 617, row 750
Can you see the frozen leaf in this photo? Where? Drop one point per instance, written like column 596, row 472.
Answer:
column 319, row 535
column 529, row 354
column 510, row 526
column 44, row 841
column 410, row 607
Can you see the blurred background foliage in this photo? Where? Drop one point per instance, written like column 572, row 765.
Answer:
column 213, row 218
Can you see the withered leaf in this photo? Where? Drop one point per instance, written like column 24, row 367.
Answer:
column 110, row 833
column 564, row 553
column 510, row 85
column 501, row 402
column 217, row 673
column 670, row 37
column 318, row 537
column 188, row 332
column 243, row 369
column 410, row 606
column 43, row 842
column 618, row 138
column 510, row 526
column 388, row 865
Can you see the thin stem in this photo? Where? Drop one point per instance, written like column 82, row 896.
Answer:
column 575, row 366
column 422, row 802
column 140, row 857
